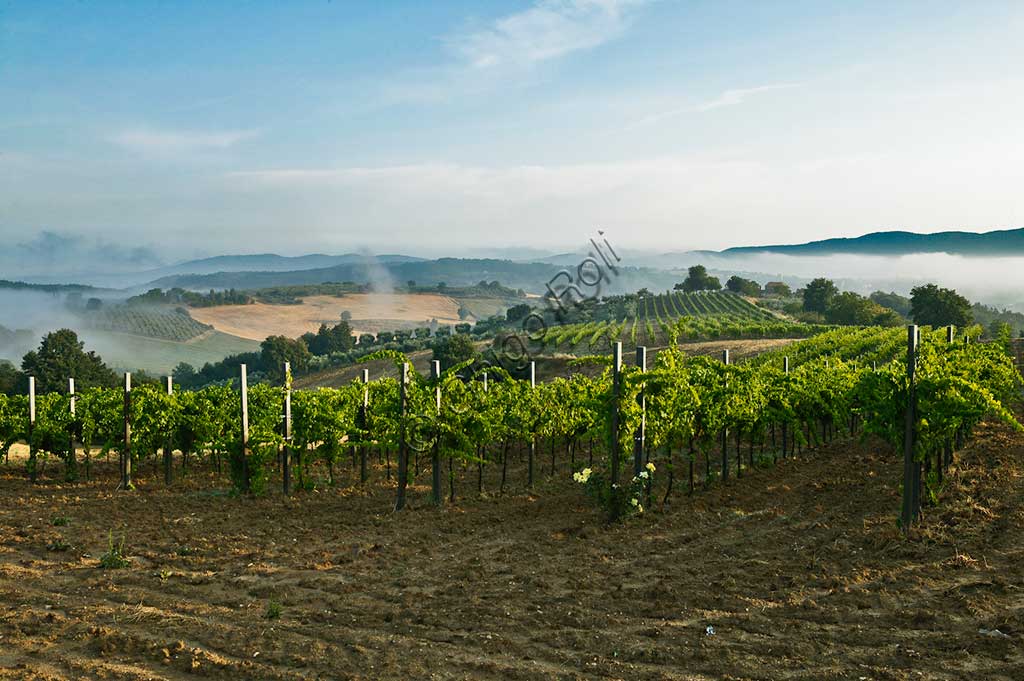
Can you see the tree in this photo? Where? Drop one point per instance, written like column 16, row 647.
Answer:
column 818, row 294
column 745, row 287
column 894, row 301
column 184, row 374
column 9, row 378
column 276, row 350
column 464, row 312
column 367, row 339
column 698, row 279
column 62, row 356
column 778, row 288
column 337, row 338
column 517, row 312
column 346, row 316
column 849, row 308
column 450, row 350
column 934, row 306
column 411, row 284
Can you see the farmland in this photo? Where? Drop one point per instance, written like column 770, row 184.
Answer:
column 371, row 313
column 771, row 498
column 799, row 569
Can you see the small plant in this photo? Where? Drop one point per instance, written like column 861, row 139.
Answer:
column 58, row 544
column 274, row 610
column 165, row 574
column 114, row 558
column 187, row 551
column 616, row 501
column 60, row 521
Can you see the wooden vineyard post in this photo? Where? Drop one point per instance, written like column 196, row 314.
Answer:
column 725, row 431
column 364, row 420
column 31, row 428
column 613, row 446
column 479, row 454
column 785, row 444
column 910, row 472
column 435, row 454
column 286, row 450
column 640, row 435
column 72, row 472
column 245, row 428
column 533, row 435
column 403, row 450
column 169, row 446
column 126, row 453
column 950, row 333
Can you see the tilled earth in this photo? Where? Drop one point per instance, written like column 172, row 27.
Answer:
column 795, row 571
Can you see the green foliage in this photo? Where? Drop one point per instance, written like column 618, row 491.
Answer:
column 452, row 350
column 60, row 356
column 698, row 279
column 931, row 305
column 276, row 350
column 328, row 339
column 746, row 287
column 114, row 558
column 274, row 611
column 893, row 301
column 818, row 295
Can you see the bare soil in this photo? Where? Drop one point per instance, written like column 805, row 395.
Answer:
column 795, row 571
column 371, row 313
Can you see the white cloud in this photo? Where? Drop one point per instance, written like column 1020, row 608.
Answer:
column 150, row 141
column 726, row 98
column 548, row 29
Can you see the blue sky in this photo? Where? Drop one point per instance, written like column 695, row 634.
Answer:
column 203, row 127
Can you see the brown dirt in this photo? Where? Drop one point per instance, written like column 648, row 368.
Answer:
column 798, row 567
column 370, row 313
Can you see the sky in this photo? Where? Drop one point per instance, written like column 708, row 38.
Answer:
column 194, row 128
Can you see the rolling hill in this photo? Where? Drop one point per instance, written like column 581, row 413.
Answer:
column 1007, row 242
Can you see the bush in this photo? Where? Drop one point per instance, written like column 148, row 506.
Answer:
column 621, row 501
column 114, row 558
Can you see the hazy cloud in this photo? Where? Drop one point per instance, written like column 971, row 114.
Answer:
column 548, row 29
column 726, row 98
column 150, row 141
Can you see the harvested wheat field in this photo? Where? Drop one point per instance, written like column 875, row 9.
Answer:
column 795, row 571
column 371, row 312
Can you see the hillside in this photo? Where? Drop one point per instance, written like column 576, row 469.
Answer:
column 531, row 277
column 1007, row 242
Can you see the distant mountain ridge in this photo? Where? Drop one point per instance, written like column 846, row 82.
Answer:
column 1006, row 242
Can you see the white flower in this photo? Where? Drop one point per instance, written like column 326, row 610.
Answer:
column 582, row 476
column 634, row 501
column 643, row 474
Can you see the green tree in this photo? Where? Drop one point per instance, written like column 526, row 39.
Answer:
column 934, row 306
column 276, row 350
column 778, row 288
column 818, row 294
column 894, row 301
column 745, row 287
column 184, row 374
column 517, row 312
column 337, row 338
column 10, row 379
column 62, row 356
column 849, row 308
column 450, row 350
column 698, row 279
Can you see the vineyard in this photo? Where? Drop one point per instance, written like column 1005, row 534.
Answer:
column 164, row 323
column 702, row 419
column 664, row 318
column 757, row 489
